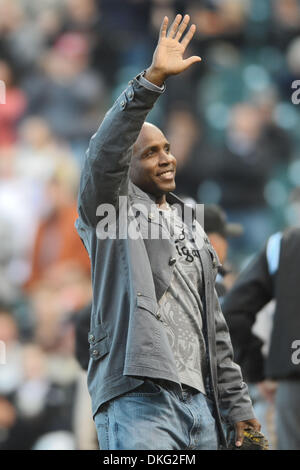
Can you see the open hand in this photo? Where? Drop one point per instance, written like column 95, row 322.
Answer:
column 168, row 55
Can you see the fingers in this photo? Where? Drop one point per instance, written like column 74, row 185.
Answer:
column 253, row 423
column 175, row 24
column 257, row 426
column 191, row 60
column 163, row 28
column 182, row 27
column 241, row 426
column 177, row 29
column 187, row 38
column 239, row 435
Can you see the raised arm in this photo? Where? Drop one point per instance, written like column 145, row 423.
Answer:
column 106, row 168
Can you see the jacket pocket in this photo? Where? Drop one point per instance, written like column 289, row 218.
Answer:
column 99, row 344
column 146, row 326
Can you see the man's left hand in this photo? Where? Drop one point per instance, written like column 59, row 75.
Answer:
column 239, row 429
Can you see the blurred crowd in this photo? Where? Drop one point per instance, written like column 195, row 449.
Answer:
column 233, row 128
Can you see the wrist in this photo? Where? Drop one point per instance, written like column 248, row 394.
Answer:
column 155, row 76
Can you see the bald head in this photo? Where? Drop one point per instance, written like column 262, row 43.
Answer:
column 148, row 131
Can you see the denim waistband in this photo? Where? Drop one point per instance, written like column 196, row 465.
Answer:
column 175, row 387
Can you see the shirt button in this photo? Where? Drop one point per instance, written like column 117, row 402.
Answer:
column 91, row 338
column 150, row 216
column 172, row 261
column 130, row 95
column 123, row 104
column 95, row 353
column 139, row 293
column 158, row 316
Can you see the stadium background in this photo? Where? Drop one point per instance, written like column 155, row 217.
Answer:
column 233, row 127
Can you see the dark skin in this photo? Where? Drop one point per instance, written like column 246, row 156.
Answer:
column 153, row 166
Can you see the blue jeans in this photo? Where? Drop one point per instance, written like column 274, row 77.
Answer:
column 157, row 415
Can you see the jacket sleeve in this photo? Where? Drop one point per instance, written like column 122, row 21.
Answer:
column 251, row 292
column 105, row 172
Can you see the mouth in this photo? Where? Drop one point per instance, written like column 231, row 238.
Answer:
column 166, row 175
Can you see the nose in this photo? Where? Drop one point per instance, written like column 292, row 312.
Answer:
column 165, row 158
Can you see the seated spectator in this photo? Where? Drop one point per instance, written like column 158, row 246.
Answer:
column 66, row 92
column 39, row 151
column 14, row 107
column 56, row 240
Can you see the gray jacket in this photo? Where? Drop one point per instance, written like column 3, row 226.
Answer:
column 127, row 339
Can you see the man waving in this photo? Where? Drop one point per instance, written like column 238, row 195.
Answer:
column 161, row 373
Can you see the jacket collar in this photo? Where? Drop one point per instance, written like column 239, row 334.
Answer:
column 150, row 199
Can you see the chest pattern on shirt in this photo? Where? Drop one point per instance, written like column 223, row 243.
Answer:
column 183, row 238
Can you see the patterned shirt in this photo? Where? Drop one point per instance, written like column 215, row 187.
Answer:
column 181, row 306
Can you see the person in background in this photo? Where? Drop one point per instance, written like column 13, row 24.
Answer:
column 56, row 240
column 218, row 231
column 272, row 274
column 14, row 108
